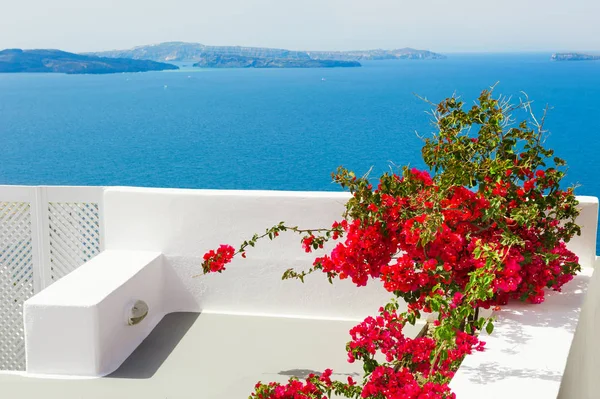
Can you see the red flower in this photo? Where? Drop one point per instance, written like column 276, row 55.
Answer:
column 307, row 243
column 528, row 185
column 421, row 247
column 216, row 261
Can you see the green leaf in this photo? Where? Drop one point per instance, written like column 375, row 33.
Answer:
column 489, row 328
column 443, row 355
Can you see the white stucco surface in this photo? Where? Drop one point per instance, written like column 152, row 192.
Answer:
column 155, row 239
column 585, row 244
column 580, row 379
column 526, row 354
column 531, row 347
column 184, row 224
column 207, row 356
column 78, row 326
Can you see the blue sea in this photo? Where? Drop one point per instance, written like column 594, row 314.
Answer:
column 276, row 129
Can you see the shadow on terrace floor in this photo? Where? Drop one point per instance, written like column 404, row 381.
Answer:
column 518, row 325
column 154, row 350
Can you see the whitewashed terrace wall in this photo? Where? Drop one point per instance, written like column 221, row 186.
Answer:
column 45, row 233
column 184, row 224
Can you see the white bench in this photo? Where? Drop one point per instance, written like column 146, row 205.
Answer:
column 79, row 325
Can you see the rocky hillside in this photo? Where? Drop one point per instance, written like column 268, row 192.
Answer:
column 16, row 60
column 398, row 54
column 196, row 52
column 237, row 61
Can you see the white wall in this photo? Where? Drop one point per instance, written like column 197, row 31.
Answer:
column 537, row 351
column 580, row 379
column 585, row 244
column 184, row 224
column 140, row 224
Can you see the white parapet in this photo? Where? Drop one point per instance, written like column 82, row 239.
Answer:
column 155, row 240
column 526, row 355
column 184, row 224
column 585, row 244
column 547, row 350
column 80, row 325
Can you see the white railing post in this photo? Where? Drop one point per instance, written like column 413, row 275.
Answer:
column 39, row 230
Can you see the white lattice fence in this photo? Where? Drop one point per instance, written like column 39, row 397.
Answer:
column 74, row 236
column 45, row 233
column 16, row 280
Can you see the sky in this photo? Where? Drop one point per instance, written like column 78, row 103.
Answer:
column 436, row 25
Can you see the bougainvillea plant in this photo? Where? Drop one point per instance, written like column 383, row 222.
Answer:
column 486, row 224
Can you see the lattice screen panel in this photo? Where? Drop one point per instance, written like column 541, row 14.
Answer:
column 74, row 236
column 16, row 280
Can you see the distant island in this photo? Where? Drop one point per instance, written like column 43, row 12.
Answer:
column 406, row 53
column 159, row 56
column 17, row 60
column 258, row 57
column 574, row 57
column 240, row 61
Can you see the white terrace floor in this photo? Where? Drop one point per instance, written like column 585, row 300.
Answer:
column 207, row 356
column 218, row 356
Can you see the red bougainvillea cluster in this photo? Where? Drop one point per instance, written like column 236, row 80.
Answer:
column 387, row 244
column 216, row 260
column 487, row 224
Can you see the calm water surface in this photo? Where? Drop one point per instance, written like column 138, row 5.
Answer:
column 270, row 129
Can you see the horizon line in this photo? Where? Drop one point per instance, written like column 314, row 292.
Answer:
column 507, row 51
